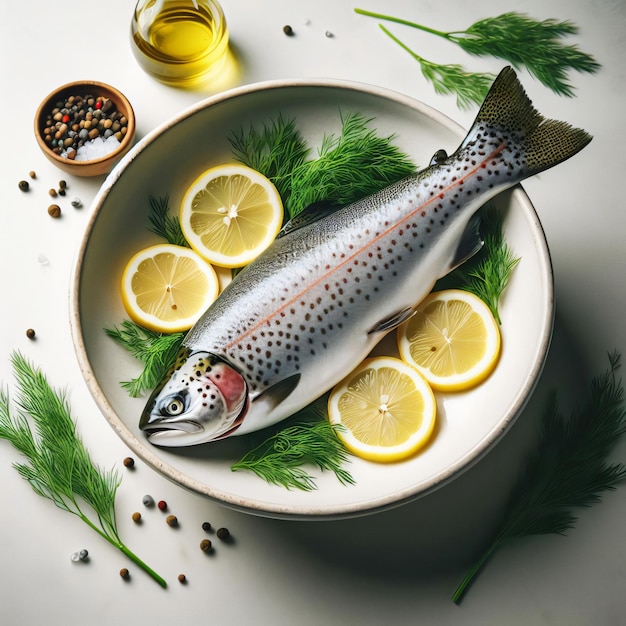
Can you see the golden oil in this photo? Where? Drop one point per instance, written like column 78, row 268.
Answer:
column 179, row 42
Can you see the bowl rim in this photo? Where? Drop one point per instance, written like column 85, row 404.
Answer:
column 277, row 510
column 44, row 105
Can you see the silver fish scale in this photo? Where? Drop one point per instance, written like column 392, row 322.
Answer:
column 315, row 298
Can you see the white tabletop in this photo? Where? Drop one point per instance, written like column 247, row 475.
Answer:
column 396, row 567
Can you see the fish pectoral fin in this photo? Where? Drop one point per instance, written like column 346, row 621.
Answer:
column 308, row 215
column 471, row 242
column 391, row 322
column 274, row 395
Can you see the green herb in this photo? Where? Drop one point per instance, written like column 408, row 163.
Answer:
column 275, row 150
column 569, row 468
column 487, row 274
column 58, row 466
column 165, row 225
column 279, row 459
column 348, row 167
column 157, row 352
column 451, row 79
column 520, row 40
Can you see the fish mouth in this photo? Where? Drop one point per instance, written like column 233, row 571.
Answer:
column 173, row 434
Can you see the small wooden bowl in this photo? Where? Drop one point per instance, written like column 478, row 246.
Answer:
column 93, row 167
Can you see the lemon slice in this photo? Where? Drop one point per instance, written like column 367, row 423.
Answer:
column 166, row 288
column 453, row 339
column 386, row 408
column 230, row 214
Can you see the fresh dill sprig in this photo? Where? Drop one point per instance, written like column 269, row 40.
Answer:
column 568, row 469
column 163, row 224
column 451, row 79
column 58, row 466
column 279, row 459
column 156, row 351
column 519, row 39
column 275, row 150
column 487, row 274
column 349, row 167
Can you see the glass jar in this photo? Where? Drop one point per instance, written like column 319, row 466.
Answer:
column 179, row 42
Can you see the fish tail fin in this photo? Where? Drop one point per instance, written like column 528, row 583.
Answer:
column 542, row 143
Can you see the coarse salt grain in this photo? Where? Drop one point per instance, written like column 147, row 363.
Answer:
column 97, row 148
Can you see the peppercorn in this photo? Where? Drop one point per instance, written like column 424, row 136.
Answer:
column 162, row 504
column 223, row 534
column 54, row 210
column 148, row 500
column 32, row 174
column 62, row 184
column 171, row 520
column 129, row 462
column 61, row 191
column 23, row 185
column 77, row 203
column 124, row 573
column 182, row 579
column 288, row 30
column 205, row 545
column 206, row 526
column 136, row 517
column 30, row 333
column 52, row 193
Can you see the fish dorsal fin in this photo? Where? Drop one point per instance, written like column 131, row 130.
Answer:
column 275, row 394
column 439, row 157
column 308, row 215
column 392, row 321
column 471, row 242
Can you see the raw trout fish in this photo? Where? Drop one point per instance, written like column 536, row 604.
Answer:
column 301, row 316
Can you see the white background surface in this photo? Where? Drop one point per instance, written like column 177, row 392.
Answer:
column 397, row 567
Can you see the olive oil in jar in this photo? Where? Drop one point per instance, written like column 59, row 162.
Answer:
column 179, row 42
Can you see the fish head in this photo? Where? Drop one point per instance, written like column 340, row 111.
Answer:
column 202, row 398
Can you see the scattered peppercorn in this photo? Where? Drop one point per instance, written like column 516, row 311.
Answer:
column 79, row 556
column 172, row 520
column 129, row 462
column 32, row 174
column 61, row 192
column 148, row 500
column 52, row 193
column 288, row 30
column 30, row 333
column 162, row 504
column 182, row 579
column 205, row 545
column 23, row 185
column 124, row 573
column 136, row 517
column 223, row 534
column 76, row 203
column 62, row 184
column 54, row 210
column 329, row 34
column 206, row 526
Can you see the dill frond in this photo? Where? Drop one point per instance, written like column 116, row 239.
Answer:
column 275, row 150
column 57, row 465
column 279, row 458
column 487, row 274
column 569, row 468
column 451, row 79
column 514, row 37
column 349, row 167
column 163, row 224
column 157, row 352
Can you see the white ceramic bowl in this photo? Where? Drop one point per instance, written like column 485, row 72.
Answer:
column 165, row 163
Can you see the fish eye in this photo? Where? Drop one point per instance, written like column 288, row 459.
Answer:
column 173, row 405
